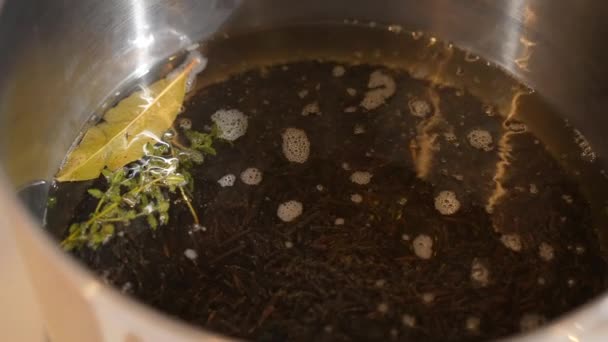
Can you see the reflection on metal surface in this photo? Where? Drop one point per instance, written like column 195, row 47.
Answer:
column 525, row 54
column 504, row 154
column 425, row 145
column 573, row 338
column 518, row 49
column 91, row 289
column 59, row 62
column 143, row 38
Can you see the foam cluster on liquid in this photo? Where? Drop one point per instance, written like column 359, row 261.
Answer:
column 361, row 177
column 290, row 210
column 296, row 146
column 419, row 108
column 251, row 176
column 512, row 242
column 447, row 203
column 227, row 180
column 480, row 274
column 311, row 108
column 232, row 123
column 382, row 87
column 423, row 246
column 546, row 251
column 338, row 71
column 480, row 139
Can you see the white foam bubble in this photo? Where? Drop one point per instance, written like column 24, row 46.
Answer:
column 227, row 180
column 419, row 108
column 338, row 71
column 428, row 298
column 185, row 123
column 480, row 274
column 232, row 123
column 447, row 203
column 339, row 221
column 311, row 108
column 303, row 93
column 472, row 324
column 408, row 320
column 533, row 189
column 361, row 177
column 359, row 129
column 290, row 210
column 512, row 242
column 296, row 146
column 423, row 246
column 382, row 308
column 546, row 251
column 450, row 137
column 251, row 176
column 351, row 91
column 191, row 254
column 373, row 99
column 587, row 152
column 480, row 139
column 356, row 198
column 516, row 126
column 382, row 87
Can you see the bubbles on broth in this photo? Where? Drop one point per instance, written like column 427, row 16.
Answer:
column 290, row 210
column 311, row 108
column 423, row 246
column 296, row 146
column 252, row 176
column 480, row 274
column 382, row 87
column 232, row 123
column 361, row 177
column 480, row 139
column 227, row 180
column 364, row 169
column 447, row 203
column 419, row 108
column 512, row 242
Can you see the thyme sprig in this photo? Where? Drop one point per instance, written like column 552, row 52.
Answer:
column 142, row 189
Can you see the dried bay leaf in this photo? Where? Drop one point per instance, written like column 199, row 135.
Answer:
column 120, row 138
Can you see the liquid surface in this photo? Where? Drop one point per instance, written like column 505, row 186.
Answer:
column 388, row 187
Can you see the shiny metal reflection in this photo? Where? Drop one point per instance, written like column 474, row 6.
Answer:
column 60, row 59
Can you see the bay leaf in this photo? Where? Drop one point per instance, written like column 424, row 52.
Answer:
column 125, row 129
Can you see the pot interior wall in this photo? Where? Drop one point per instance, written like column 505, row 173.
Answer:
column 65, row 60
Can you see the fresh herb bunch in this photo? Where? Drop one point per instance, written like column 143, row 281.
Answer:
column 142, row 189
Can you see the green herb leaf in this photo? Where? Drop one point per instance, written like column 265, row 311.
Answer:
column 95, row 193
column 51, row 202
column 152, row 221
column 141, row 189
column 107, row 230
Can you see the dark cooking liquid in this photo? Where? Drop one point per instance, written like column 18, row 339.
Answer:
column 355, row 265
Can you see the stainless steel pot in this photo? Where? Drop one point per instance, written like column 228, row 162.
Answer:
column 60, row 59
